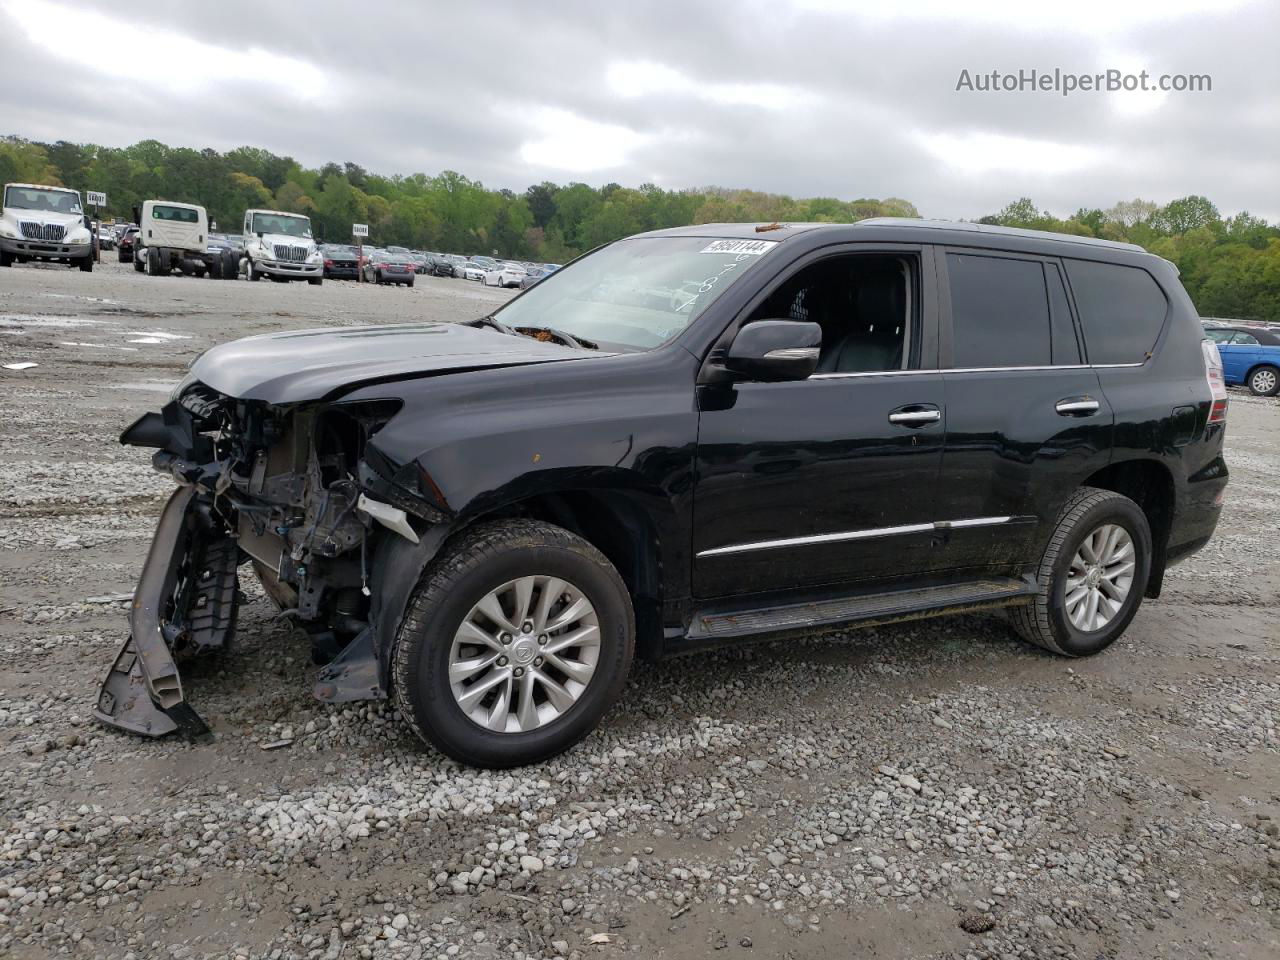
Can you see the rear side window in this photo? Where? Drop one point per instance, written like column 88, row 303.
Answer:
column 180, row 214
column 999, row 312
column 1122, row 310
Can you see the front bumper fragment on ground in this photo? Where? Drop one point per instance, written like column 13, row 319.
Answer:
column 142, row 692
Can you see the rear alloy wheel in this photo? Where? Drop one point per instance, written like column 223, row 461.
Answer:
column 516, row 641
column 1092, row 576
column 1264, row 382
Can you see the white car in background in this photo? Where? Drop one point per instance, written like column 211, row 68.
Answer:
column 473, row 271
column 505, row 275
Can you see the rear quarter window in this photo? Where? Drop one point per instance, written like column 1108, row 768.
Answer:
column 1122, row 310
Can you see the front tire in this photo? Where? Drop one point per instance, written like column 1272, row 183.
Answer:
column 1092, row 576
column 517, row 639
column 86, row 263
column 1264, row 382
column 315, row 281
column 250, row 272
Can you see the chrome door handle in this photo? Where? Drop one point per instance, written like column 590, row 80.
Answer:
column 1077, row 407
column 913, row 417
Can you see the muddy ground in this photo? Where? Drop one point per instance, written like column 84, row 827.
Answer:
column 937, row 789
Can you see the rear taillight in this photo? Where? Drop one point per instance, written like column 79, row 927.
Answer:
column 328, row 263
column 1217, row 386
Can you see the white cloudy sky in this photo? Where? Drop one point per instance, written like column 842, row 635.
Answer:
column 846, row 98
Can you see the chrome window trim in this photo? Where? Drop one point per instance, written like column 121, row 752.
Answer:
column 937, row 525
column 900, row 373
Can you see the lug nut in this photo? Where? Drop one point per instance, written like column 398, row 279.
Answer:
column 505, row 638
column 502, row 661
column 537, row 661
column 526, row 627
column 542, row 638
column 519, row 671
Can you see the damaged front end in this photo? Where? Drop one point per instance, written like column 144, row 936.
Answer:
column 287, row 489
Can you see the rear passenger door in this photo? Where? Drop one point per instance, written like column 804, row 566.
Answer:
column 1026, row 417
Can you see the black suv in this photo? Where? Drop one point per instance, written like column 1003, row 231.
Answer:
column 696, row 436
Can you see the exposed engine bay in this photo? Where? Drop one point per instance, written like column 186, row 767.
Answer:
column 283, row 489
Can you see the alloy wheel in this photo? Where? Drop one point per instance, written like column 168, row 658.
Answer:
column 1100, row 577
column 524, row 654
column 1263, row 381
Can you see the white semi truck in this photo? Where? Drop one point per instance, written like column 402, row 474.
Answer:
column 174, row 235
column 281, row 246
column 40, row 222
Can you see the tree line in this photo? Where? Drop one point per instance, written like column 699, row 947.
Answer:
column 1229, row 265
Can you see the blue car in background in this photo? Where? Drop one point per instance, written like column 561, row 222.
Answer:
column 1250, row 356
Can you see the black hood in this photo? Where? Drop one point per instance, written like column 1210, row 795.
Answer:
column 304, row 365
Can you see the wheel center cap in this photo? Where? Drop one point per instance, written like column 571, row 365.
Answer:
column 524, row 650
column 1095, row 575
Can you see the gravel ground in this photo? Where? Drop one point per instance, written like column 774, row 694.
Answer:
column 936, row 789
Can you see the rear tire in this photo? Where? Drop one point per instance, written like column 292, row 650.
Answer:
column 410, row 283
column 482, row 563
column 138, row 265
column 6, row 258
column 153, row 262
column 1264, row 382
column 315, row 281
column 1050, row 620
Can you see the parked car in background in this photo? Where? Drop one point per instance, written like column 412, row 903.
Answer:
column 124, row 246
column 474, row 271
column 341, row 261
column 1250, row 356
column 441, row 266
column 388, row 267
column 106, row 237
column 533, row 276
column 505, row 275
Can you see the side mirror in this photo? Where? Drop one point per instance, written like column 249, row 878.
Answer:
column 774, row 350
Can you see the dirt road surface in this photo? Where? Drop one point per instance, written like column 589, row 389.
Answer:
column 937, row 789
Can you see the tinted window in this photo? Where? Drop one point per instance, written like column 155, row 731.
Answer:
column 1066, row 350
column 1244, row 338
column 999, row 312
column 1122, row 310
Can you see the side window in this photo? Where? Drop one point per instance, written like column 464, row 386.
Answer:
column 1219, row 336
column 1122, row 310
column 1065, row 347
column 1245, row 338
column 999, row 312
column 864, row 304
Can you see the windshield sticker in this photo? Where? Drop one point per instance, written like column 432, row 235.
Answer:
column 709, row 284
column 752, row 247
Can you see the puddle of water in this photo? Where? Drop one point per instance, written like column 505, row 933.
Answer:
column 32, row 320
column 151, row 386
column 155, row 336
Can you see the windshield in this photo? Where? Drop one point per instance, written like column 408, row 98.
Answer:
column 635, row 293
column 283, row 224
column 48, row 201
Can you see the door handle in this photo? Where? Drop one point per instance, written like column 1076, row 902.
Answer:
column 1077, row 407
column 915, row 418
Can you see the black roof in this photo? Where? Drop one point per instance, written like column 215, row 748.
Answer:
column 909, row 230
column 1266, row 336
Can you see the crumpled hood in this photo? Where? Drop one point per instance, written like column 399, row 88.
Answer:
column 301, row 365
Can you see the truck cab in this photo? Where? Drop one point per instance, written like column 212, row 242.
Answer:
column 281, row 246
column 41, row 222
column 173, row 235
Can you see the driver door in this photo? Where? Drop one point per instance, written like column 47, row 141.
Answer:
column 830, row 480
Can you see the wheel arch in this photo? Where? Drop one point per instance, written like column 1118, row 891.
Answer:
column 1254, row 368
column 1149, row 484
column 619, row 522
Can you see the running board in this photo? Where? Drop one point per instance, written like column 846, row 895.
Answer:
column 985, row 594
